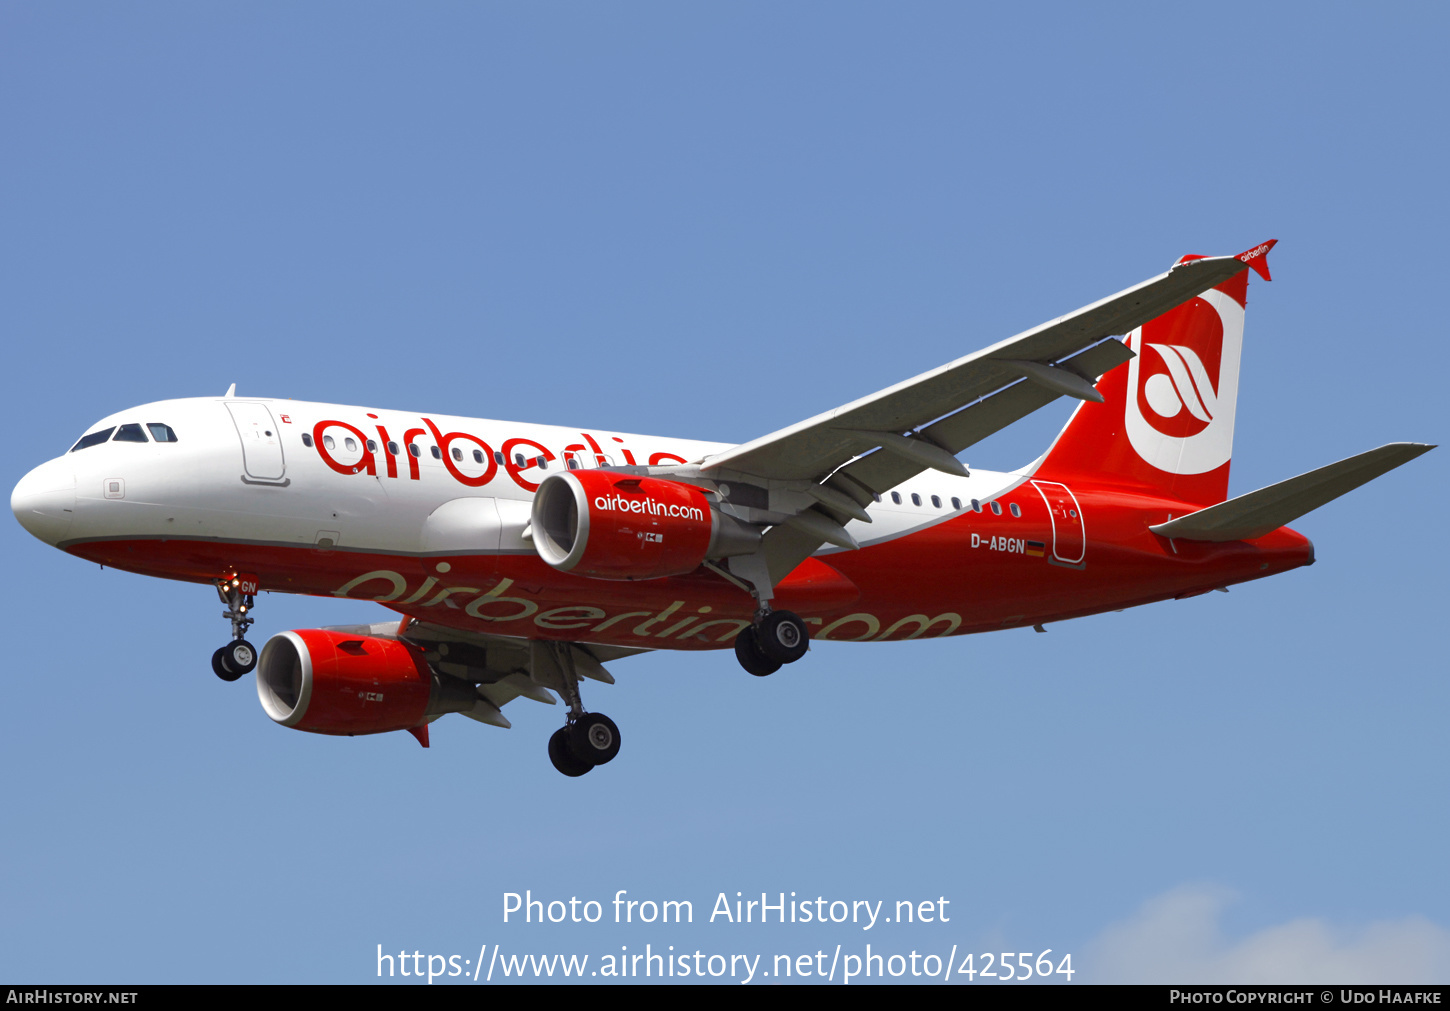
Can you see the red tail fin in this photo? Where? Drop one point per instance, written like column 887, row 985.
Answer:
column 1167, row 421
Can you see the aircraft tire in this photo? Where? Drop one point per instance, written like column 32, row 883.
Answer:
column 219, row 666
column 748, row 652
column 593, row 739
column 783, row 637
column 240, row 655
column 560, row 755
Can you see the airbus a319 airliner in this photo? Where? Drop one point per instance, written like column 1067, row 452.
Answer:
column 522, row 558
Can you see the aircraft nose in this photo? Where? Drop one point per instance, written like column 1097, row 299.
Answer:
column 45, row 499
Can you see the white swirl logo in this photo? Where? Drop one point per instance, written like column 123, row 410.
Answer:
column 1185, row 385
column 1200, row 436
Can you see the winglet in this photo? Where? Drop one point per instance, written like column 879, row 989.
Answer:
column 1258, row 258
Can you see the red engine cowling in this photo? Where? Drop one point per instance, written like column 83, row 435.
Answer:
column 341, row 683
column 611, row 526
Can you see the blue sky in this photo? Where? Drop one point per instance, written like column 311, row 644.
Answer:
column 712, row 221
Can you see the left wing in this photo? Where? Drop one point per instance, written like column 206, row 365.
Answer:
column 500, row 668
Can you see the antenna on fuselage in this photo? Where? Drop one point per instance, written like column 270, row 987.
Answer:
column 231, row 390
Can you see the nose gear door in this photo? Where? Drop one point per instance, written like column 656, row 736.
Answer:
column 261, row 445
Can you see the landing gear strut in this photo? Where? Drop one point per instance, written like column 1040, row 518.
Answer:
column 239, row 656
column 775, row 639
column 587, row 739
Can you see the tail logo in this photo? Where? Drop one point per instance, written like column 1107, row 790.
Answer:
column 1185, row 386
column 1176, row 417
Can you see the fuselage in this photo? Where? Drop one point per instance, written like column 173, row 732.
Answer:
column 430, row 515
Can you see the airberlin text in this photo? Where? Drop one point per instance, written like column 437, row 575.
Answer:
column 469, row 459
column 679, row 620
column 618, row 503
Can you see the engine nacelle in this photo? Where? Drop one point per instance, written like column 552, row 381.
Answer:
column 330, row 682
column 613, row 526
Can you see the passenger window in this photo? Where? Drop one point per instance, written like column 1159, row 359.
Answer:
column 956, row 503
column 543, row 462
column 519, row 460
column 1015, row 510
column 572, row 463
column 997, row 508
column 351, row 444
column 413, row 448
column 372, row 446
column 896, row 497
column 915, row 499
column 478, row 456
column 327, row 441
column 936, row 501
column 392, row 449
column 163, row 433
column 498, row 457
column 437, row 453
column 876, row 497
column 457, row 454
column 94, row 439
column 306, row 440
column 976, row 506
column 129, row 433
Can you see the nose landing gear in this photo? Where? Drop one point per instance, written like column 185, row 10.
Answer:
column 238, row 657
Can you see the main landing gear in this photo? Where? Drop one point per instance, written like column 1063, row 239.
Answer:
column 775, row 639
column 239, row 656
column 588, row 739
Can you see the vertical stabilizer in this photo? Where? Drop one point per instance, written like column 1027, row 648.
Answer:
column 1167, row 421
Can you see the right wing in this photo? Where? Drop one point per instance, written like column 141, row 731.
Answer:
column 1049, row 357
column 811, row 478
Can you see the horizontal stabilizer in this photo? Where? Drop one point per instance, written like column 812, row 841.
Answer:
column 1260, row 512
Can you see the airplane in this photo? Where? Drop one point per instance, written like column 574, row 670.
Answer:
column 522, row 558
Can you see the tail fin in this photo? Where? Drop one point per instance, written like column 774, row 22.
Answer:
column 1166, row 425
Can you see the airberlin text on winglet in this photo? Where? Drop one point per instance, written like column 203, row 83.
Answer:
column 1257, row 258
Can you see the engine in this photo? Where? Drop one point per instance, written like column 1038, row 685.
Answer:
column 611, row 526
column 328, row 681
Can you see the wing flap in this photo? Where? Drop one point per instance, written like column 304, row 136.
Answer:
column 1260, row 512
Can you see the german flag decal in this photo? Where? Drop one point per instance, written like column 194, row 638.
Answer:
column 1036, row 548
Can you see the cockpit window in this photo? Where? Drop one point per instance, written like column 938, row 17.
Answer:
column 129, row 433
column 94, row 439
column 160, row 432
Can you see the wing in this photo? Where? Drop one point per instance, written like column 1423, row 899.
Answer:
column 837, row 462
column 1044, row 356
column 500, row 668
